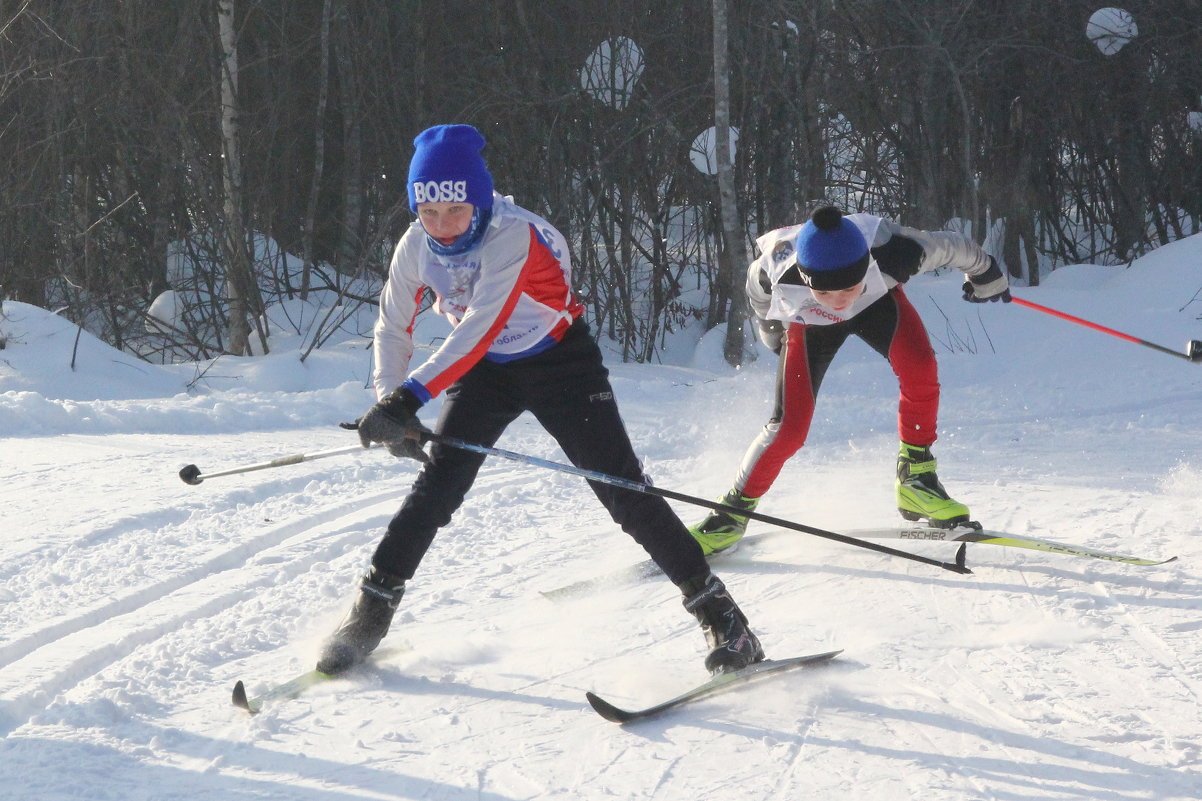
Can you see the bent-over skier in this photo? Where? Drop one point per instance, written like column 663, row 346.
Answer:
column 812, row 287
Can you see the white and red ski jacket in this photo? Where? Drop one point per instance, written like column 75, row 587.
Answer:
column 508, row 297
column 898, row 253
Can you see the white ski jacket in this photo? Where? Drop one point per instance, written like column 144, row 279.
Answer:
column 508, row 297
column 898, row 253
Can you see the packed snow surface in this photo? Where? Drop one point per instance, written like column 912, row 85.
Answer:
column 130, row 603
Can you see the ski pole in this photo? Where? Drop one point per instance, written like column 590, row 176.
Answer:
column 604, row 478
column 191, row 474
column 1193, row 349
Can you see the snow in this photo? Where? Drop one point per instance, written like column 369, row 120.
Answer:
column 130, row 603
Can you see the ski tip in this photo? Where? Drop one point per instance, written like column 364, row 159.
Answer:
column 828, row 655
column 240, row 699
column 771, row 665
column 607, row 710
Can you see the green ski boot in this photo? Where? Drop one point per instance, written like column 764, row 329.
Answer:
column 720, row 530
column 920, row 496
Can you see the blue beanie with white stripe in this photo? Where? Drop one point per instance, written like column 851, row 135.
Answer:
column 447, row 167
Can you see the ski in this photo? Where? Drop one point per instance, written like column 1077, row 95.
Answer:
column 624, row 575
column 972, row 532
column 719, row 683
column 646, row 569
column 280, row 692
column 294, row 688
column 976, row 533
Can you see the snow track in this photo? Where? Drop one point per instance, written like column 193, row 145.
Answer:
column 130, row 603
column 96, row 624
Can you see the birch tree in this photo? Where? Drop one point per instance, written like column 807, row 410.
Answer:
column 241, row 289
column 732, row 254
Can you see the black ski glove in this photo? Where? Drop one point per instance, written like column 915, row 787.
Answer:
column 393, row 422
column 990, row 286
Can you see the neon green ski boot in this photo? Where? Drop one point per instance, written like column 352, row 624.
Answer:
column 720, row 530
column 920, row 496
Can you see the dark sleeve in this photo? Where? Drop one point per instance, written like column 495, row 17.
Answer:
column 900, row 258
column 790, row 276
column 764, row 282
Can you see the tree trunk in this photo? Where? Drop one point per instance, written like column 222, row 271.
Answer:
column 319, row 150
column 732, row 256
column 239, row 278
column 350, row 239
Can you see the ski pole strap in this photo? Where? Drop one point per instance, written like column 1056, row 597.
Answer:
column 604, row 478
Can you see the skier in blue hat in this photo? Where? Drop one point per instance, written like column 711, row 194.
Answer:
column 502, row 276
column 812, row 287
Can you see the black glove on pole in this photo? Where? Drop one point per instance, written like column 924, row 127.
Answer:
column 393, row 422
column 988, row 287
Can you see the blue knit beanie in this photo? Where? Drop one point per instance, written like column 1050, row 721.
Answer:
column 447, row 166
column 831, row 251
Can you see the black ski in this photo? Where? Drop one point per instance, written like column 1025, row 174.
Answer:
column 719, row 683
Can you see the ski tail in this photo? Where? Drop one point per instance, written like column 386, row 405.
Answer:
column 719, row 683
column 975, row 533
column 1034, row 544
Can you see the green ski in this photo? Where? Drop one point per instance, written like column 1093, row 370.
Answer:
column 280, row 692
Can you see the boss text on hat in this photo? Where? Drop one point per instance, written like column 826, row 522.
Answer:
column 440, row 191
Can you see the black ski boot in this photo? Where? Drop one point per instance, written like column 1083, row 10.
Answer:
column 365, row 625
column 732, row 645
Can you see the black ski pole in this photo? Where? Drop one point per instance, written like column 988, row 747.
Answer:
column 191, row 475
column 956, row 567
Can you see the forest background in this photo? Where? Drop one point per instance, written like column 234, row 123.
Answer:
column 169, row 170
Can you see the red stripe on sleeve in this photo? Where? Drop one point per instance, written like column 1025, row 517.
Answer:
column 469, row 360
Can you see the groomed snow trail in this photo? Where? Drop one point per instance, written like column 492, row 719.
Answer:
column 132, row 603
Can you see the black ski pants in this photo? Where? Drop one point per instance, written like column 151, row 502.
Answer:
column 567, row 390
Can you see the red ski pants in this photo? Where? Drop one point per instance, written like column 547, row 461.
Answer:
column 893, row 329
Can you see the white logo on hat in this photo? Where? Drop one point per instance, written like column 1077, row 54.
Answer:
column 439, row 191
